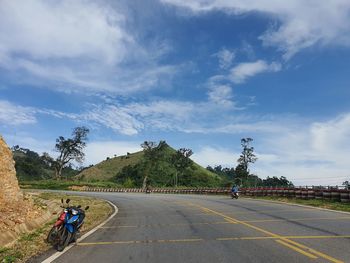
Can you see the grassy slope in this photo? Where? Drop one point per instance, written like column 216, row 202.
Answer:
column 105, row 170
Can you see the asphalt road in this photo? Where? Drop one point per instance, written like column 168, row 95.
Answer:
column 193, row 228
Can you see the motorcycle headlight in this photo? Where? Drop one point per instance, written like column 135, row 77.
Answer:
column 74, row 212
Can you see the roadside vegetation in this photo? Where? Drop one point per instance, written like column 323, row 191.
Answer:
column 65, row 184
column 157, row 165
column 33, row 243
column 328, row 204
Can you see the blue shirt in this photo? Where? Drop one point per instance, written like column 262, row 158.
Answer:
column 234, row 189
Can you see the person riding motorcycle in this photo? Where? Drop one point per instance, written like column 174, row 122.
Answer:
column 234, row 191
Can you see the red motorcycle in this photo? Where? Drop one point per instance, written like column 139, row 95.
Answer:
column 53, row 237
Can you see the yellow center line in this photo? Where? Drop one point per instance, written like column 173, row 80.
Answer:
column 293, row 244
column 283, row 237
column 118, row 226
column 166, row 225
column 243, row 238
column 296, row 249
column 140, row 242
column 316, row 237
column 272, row 210
column 230, row 221
column 227, row 218
column 296, row 219
column 315, row 251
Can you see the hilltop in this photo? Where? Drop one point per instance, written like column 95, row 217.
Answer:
column 107, row 169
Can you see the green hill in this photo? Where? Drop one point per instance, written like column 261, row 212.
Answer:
column 129, row 170
column 107, row 169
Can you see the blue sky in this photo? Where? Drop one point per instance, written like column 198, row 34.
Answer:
column 198, row 74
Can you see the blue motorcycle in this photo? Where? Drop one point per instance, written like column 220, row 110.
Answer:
column 73, row 220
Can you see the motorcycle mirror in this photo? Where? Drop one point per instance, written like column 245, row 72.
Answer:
column 86, row 208
column 78, row 206
column 67, row 201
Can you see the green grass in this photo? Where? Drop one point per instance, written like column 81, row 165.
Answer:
column 333, row 205
column 63, row 184
column 107, row 169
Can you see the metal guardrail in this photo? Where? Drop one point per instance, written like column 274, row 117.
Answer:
column 333, row 193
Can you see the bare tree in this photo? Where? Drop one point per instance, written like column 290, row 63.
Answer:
column 70, row 149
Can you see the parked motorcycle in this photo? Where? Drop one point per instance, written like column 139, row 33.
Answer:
column 67, row 226
column 53, row 236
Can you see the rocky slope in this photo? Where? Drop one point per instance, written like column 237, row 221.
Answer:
column 15, row 208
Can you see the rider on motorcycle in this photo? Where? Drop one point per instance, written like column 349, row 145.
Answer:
column 234, row 190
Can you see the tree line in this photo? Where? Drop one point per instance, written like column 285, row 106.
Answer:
column 240, row 175
column 160, row 166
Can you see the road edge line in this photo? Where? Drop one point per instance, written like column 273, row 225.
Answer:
column 58, row 254
column 300, row 205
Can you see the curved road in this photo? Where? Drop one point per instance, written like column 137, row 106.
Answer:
column 193, row 228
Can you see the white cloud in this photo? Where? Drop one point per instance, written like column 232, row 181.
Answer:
column 64, row 29
column 221, row 94
column 225, row 57
column 241, row 72
column 98, row 151
column 25, row 140
column 215, row 156
column 302, row 24
column 95, row 151
column 308, row 154
column 132, row 118
column 79, row 46
column 115, row 118
column 332, row 136
column 11, row 114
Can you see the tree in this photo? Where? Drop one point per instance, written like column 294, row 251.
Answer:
column 30, row 166
column 152, row 153
column 70, row 149
column 227, row 174
column 181, row 160
column 275, row 181
column 247, row 156
column 47, row 159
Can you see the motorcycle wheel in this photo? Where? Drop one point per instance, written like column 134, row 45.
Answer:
column 64, row 239
column 52, row 235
